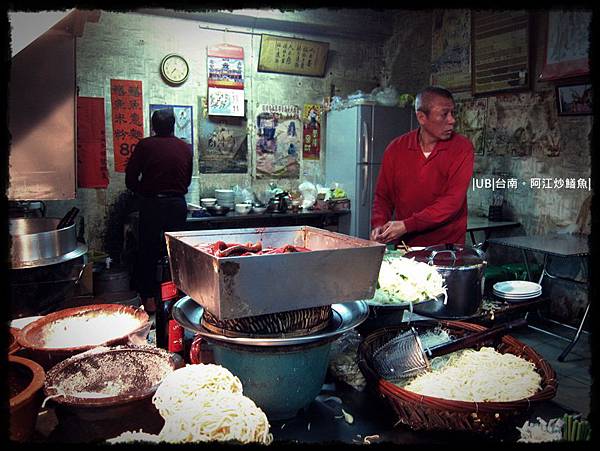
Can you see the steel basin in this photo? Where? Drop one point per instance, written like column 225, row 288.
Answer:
column 36, row 242
column 340, row 268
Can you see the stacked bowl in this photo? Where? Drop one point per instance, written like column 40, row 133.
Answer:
column 225, row 198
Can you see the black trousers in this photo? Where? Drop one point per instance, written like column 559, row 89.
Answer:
column 157, row 215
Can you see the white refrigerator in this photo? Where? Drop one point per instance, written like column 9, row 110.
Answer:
column 355, row 140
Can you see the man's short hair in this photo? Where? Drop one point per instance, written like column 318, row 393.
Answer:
column 163, row 122
column 424, row 98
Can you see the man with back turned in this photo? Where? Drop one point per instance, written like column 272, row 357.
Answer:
column 421, row 191
column 159, row 171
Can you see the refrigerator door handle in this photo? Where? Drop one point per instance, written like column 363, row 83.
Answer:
column 365, row 137
column 365, row 184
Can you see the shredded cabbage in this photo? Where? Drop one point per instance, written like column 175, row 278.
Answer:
column 404, row 280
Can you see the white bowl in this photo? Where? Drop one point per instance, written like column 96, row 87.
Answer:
column 243, row 208
column 208, row 201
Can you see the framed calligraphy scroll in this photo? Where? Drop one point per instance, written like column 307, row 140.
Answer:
column 292, row 56
column 500, row 51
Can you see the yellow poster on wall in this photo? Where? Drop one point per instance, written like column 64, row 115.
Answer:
column 292, row 56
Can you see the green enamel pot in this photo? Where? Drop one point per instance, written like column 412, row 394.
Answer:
column 280, row 380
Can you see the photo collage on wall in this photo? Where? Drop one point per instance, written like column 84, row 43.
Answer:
column 278, row 142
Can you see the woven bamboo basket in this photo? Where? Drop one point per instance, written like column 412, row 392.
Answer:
column 421, row 412
column 292, row 323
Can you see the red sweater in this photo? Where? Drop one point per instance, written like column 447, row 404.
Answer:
column 165, row 164
column 428, row 194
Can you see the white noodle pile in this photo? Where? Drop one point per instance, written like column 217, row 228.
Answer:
column 220, row 416
column 185, row 383
column 92, row 329
column 139, row 436
column 479, row 376
column 204, row 402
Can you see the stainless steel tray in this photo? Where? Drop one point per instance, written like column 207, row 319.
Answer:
column 339, row 268
column 344, row 317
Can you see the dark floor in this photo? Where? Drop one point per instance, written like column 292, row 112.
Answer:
column 574, row 373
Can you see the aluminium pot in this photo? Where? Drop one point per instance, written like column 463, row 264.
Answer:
column 37, row 242
column 462, row 268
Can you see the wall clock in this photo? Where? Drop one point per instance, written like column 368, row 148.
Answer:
column 174, row 69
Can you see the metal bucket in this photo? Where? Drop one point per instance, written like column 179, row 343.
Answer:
column 36, row 242
column 111, row 281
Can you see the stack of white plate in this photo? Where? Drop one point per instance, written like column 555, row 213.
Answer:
column 225, row 197
column 517, row 290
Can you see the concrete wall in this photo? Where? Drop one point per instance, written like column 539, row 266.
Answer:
column 131, row 46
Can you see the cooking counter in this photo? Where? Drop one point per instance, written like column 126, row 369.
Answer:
column 324, row 219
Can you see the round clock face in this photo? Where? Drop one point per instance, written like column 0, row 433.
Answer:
column 174, row 69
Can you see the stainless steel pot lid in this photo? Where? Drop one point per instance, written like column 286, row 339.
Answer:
column 345, row 316
column 449, row 256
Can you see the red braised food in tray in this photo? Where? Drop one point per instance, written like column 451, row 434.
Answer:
column 221, row 249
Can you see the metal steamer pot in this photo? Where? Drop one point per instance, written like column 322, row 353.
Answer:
column 462, row 268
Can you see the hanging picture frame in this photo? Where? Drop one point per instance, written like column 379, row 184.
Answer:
column 574, row 99
column 184, row 121
column 566, row 52
column 292, row 56
column 500, row 51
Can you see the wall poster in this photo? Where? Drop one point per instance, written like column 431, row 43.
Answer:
column 500, row 51
column 292, row 56
column 127, row 119
column 222, row 144
column 567, row 45
column 225, row 80
column 311, row 119
column 471, row 117
column 520, row 124
column 278, row 142
column 184, row 123
column 451, row 49
column 92, row 170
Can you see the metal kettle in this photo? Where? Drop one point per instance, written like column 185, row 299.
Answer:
column 280, row 202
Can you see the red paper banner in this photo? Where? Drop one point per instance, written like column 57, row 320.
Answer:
column 127, row 119
column 311, row 139
column 92, row 171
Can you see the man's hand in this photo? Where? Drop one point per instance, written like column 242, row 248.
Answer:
column 390, row 231
column 375, row 233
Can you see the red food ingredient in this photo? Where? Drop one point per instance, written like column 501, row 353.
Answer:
column 221, row 249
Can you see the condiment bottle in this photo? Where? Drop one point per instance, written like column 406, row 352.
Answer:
column 169, row 333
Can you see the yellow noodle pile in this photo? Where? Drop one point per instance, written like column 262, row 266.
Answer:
column 479, row 376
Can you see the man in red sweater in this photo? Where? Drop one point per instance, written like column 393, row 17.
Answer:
column 159, row 171
column 421, row 191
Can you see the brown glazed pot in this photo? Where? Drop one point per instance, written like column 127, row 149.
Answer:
column 13, row 343
column 25, row 380
column 31, row 337
column 132, row 368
